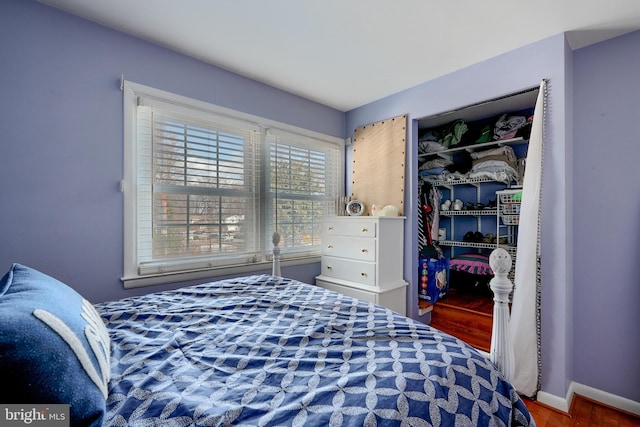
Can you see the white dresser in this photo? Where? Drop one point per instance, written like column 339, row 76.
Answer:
column 362, row 257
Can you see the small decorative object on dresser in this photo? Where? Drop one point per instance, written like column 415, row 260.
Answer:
column 362, row 258
column 355, row 208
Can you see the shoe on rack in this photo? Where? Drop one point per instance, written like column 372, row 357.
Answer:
column 473, row 206
column 446, row 205
column 489, row 238
column 457, row 205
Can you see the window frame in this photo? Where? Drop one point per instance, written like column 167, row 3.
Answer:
column 132, row 276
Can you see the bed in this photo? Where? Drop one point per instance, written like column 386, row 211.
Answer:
column 252, row 351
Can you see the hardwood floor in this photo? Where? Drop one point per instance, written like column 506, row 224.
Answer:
column 468, row 316
column 583, row 412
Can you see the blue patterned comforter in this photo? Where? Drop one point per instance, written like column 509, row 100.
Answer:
column 263, row 350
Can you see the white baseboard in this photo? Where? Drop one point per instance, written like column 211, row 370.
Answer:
column 560, row 403
column 604, row 397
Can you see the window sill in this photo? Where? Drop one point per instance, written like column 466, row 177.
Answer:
column 212, row 273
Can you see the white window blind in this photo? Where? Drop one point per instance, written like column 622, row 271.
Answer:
column 199, row 191
column 201, row 184
column 304, row 179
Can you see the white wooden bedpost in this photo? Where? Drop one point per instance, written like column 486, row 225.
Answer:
column 502, row 354
column 275, row 271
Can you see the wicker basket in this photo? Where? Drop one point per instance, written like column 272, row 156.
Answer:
column 510, row 219
column 507, row 197
column 510, row 209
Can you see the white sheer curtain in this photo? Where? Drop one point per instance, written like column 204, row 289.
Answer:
column 524, row 310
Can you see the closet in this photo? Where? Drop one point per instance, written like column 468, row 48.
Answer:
column 471, row 165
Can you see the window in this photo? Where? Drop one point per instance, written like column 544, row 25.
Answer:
column 304, row 181
column 205, row 187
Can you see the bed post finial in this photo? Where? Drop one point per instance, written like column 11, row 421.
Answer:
column 502, row 354
column 275, row 271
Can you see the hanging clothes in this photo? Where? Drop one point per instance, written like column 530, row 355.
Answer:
column 429, row 216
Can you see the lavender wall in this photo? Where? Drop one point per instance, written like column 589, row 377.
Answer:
column 606, row 236
column 61, row 127
column 61, row 136
column 508, row 73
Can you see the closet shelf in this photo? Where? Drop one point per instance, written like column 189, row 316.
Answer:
column 461, row 244
column 475, row 147
column 469, row 212
column 465, row 181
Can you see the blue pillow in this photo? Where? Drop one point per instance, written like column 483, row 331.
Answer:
column 54, row 347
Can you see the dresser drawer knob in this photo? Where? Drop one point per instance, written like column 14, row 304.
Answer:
column 364, row 251
column 329, row 228
column 364, row 229
column 329, row 267
column 329, row 246
column 363, row 274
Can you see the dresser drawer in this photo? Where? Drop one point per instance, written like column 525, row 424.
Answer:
column 368, row 296
column 357, row 248
column 350, row 227
column 395, row 299
column 347, row 269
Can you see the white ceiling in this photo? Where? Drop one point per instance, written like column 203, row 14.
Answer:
column 347, row 53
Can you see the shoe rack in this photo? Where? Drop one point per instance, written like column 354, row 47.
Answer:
column 468, row 214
